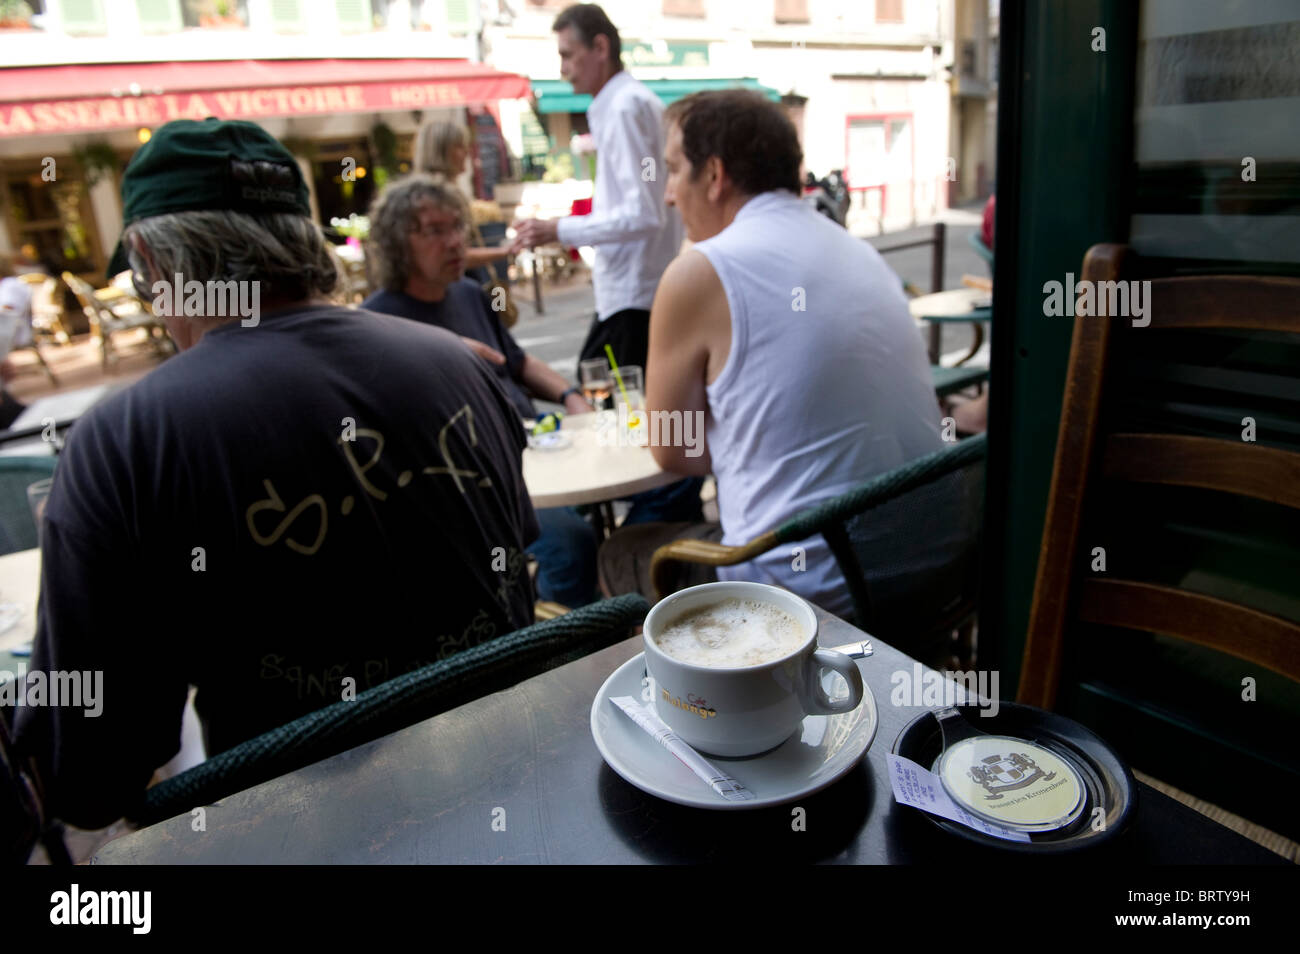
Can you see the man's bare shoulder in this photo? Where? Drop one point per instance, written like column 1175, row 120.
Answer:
column 691, row 304
column 691, row 274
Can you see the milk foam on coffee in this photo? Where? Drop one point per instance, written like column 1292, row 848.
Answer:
column 732, row 633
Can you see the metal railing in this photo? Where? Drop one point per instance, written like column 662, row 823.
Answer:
column 938, row 240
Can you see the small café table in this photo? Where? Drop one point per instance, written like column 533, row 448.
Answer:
column 515, row 777
column 20, row 581
column 589, row 471
column 62, row 409
column 956, row 305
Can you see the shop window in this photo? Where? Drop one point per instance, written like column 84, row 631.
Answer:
column 345, row 175
column 791, row 11
column 84, row 16
column 53, row 220
column 211, row 13
column 889, row 11
column 1218, row 159
column 684, row 8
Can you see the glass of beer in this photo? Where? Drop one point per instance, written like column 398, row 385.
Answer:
column 597, row 383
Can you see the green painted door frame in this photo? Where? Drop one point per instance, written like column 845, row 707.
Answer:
column 1065, row 168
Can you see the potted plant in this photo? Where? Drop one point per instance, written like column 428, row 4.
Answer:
column 383, row 143
column 15, row 15
column 97, row 159
column 221, row 14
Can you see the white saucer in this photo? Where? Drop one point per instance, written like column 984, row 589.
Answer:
column 550, row 440
column 825, row 749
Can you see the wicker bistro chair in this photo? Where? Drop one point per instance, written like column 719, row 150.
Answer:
column 906, row 541
column 47, row 311
column 396, row 704
column 106, row 322
column 982, row 250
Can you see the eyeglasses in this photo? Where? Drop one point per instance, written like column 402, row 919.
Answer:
column 443, row 233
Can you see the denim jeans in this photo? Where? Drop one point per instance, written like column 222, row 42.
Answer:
column 566, row 557
column 676, row 503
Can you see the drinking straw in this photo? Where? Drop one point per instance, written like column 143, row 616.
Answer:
column 632, row 419
column 617, row 376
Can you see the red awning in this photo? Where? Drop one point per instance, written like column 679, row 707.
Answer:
column 72, row 99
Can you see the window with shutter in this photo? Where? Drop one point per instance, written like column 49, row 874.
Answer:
column 159, row 16
column 354, row 16
column 889, row 11
column 84, row 16
column 458, row 16
column 288, row 16
column 791, row 11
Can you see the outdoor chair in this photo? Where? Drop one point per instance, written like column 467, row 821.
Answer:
column 1165, row 612
column 17, row 526
column 106, row 322
column 907, row 542
column 981, row 249
column 959, row 377
column 490, row 667
column 42, row 292
column 47, row 312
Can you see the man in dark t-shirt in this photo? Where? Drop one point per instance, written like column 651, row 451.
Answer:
column 417, row 231
column 305, row 502
column 463, row 311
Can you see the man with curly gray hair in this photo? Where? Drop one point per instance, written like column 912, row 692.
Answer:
column 417, row 237
column 303, row 503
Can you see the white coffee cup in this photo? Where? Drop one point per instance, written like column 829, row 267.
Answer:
column 736, row 712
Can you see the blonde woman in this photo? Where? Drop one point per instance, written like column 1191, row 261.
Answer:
column 442, row 150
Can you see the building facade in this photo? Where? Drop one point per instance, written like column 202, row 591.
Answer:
column 865, row 81
column 877, row 88
column 344, row 83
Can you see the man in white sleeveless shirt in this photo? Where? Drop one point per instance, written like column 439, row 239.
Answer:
column 790, row 336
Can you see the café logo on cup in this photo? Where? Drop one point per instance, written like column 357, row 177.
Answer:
column 692, row 705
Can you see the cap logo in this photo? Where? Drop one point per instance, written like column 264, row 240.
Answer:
column 262, row 181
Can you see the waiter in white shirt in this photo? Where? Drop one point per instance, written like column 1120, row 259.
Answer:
column 634, row 233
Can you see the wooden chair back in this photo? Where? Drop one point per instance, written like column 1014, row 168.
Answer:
column 1086, row 453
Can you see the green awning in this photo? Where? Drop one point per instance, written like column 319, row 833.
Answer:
column 557, row 96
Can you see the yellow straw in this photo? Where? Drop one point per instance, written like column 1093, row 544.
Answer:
column 632, row 420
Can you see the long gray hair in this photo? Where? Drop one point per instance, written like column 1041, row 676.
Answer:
column 392, row 216
column 433, row 142
column 285, row 252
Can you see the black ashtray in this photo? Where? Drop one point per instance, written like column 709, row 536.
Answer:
column 1107, row 781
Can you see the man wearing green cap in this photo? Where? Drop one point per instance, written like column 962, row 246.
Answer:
column 289, row 511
